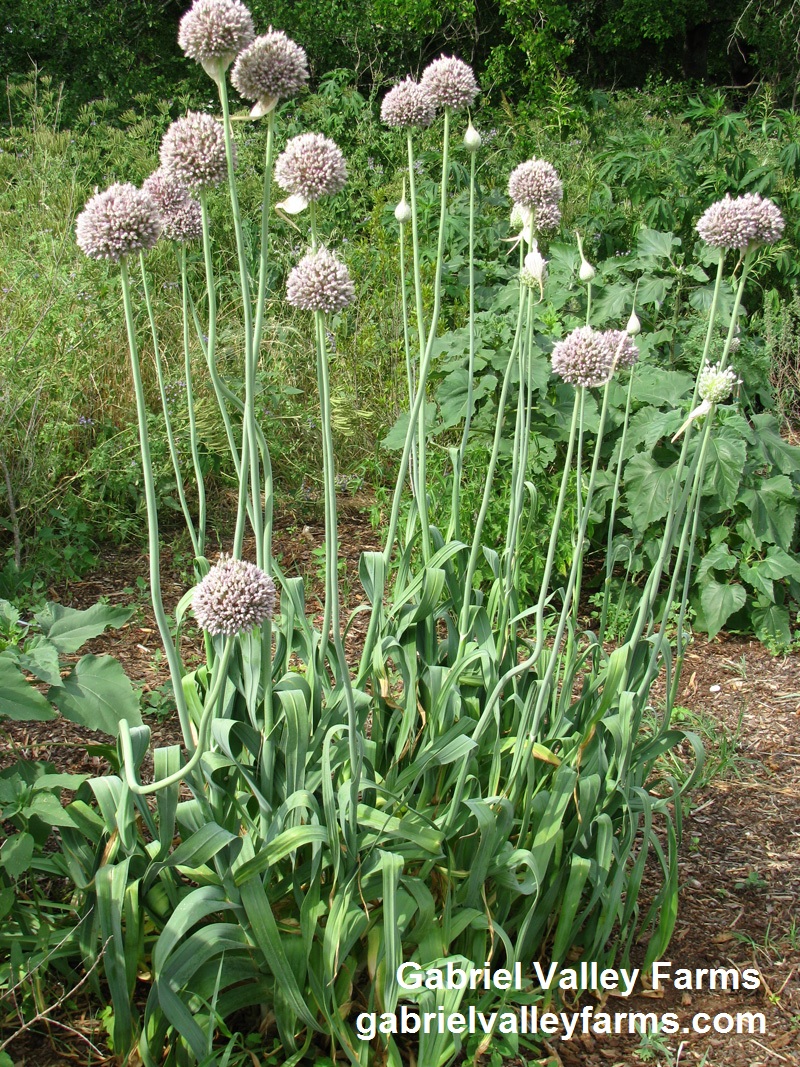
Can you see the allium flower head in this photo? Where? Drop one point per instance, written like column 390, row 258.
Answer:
column 546, row 218
column 320, row 282
column 634, row 326
column 408, row 104
column 193, row 151
column 622, row 350
column 117, row 222
column 715, row 385
column 233, row 598
column 584, row 357
column 213, row 31
column 181, row 217
column 741, row 222
column 311, row 166
column 450, row 83
column 535, row 184
column 272, row 68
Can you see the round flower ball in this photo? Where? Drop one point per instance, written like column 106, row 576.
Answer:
column 213, row 31
column 714, row 385
column 311, row 166
column 193, row 151
column 181, row 217
column 234, row 597
column 449, row 82
column 320, row 282
column 622, row 349
column 270, row 69
column 118, row 222
column 583, row 358
column 408, row 104
column 535, row 184
column 741, row 222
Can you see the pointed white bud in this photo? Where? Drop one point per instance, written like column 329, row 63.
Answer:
column 472, row 139
column 634, row 326
column 402, row 212
column 587, row 271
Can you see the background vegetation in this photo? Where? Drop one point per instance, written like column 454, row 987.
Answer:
column 635, row 162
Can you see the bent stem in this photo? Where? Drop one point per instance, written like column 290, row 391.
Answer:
column 219, row 676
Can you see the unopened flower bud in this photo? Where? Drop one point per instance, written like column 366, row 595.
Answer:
column 472, row 139
column 634, row 326
column 587, row 271
column 403, row 212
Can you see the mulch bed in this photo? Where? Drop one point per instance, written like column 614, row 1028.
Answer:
column 740, row 863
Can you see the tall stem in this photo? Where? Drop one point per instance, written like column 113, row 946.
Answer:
column 193, row 440
column 162, row 389
column 154, row 548
column 249, row 456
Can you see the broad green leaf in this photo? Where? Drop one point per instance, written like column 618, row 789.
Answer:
column 97, row 693
column 648, row 490
column 16, row 854
column 725, row 462
column 720, row 558
column 720, row 600
column 69, row 628
column 18, row 698
column 661, row 388
column 772, row 625
column 649, row 425
column 777, row 452
column 653, row 290
column 396, row 437
column 655, row 243
column 773, row 511
column 40, row 658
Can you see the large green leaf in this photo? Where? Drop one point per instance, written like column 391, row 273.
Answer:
column 720, row 600
column 655, row 244
column 772, row 625
column 648, row 489
column 725, row 462
column 773, row 511
column 661, row 388
column 97, row 693
column 18, row 698
column 40, row 658
column 69, row 628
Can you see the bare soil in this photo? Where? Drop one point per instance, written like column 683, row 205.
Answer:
column 740, row 860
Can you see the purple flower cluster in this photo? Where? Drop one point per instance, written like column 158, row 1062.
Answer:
column 408, row 104
column 180, row 214
column 193, row 151
column 535, row 185
column 234, row 597
column 320, row 282
column 741, row 222
column 311, row 166
column 213, row 31
column 446, row 82
column 118, row 222
column 588, row 357
column 270, row 69
column 449, row 82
